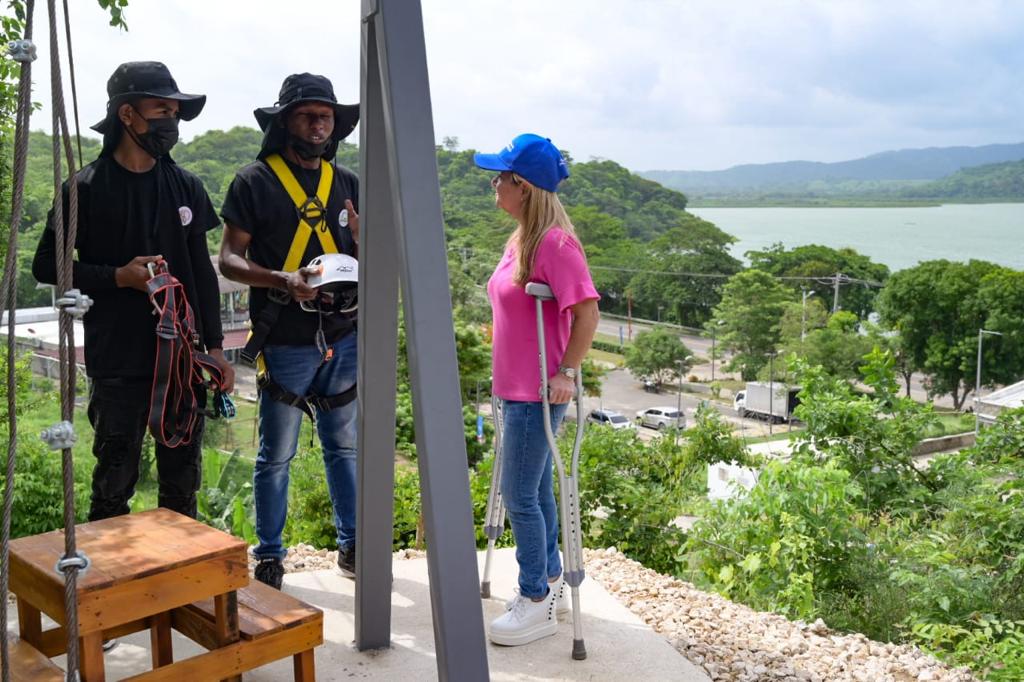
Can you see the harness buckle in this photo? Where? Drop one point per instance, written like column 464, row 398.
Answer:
column 312, row 211
column 279, row 296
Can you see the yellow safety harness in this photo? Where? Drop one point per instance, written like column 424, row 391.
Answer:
column 312, row 212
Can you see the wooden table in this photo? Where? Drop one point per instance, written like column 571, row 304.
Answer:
column 143, row 566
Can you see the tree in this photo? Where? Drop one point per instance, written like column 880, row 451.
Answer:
column 696, row 247
column 749, row 317
column 838, row 347
column 814, row 260
column 1002, row 295
column 658, row 354
column 936, row 309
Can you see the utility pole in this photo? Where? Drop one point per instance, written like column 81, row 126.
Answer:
column 835, row 297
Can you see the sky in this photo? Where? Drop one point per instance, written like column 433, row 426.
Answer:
column 651, row 84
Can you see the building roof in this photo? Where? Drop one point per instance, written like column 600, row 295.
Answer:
column 1007, row 398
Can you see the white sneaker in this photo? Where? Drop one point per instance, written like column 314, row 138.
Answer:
column 526, row 621
column 563, row 605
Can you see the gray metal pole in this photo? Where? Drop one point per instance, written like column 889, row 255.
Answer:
column 771, row 392
column 378, row 344
column 977, row 381
column 408, row 128
column 977, row 385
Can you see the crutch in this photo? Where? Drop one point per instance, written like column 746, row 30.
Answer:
column 494, row 522
column 568, row 481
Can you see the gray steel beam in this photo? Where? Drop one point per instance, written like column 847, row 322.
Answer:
column 397, row 37
column 378, row 340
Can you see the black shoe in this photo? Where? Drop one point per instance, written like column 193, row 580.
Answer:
column 347, row 561
column 270, row 572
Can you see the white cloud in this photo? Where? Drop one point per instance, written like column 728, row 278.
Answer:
column 652, row 84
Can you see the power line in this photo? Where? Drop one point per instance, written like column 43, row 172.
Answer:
column 825, row 280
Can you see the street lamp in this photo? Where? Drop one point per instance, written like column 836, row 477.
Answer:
column 977, row 380
column 803, row 320
column 660, row 308
column 714, row 333
column 679, row 395
column 771, row 392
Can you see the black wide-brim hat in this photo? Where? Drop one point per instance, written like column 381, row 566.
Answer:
column 300, row 88
column 135, row 80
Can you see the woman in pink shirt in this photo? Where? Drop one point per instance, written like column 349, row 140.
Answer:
column 543, row 248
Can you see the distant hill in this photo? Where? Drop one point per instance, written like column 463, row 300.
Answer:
column 791, row 177
column 991, row 182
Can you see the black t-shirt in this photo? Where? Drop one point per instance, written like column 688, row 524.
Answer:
column 258, row 203
column 121, row 215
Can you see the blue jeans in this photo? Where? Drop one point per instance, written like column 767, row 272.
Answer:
column 528, row 494
column 298, row 369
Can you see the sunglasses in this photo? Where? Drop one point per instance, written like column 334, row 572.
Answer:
column 501, row 176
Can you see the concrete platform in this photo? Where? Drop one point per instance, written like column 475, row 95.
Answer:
column 619, row 645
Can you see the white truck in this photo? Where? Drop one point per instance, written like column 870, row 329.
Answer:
column 764, row 400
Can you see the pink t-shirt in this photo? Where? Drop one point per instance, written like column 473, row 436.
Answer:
column 559, row 263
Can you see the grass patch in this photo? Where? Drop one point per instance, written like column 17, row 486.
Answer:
column 605, row 356
column 951, row 423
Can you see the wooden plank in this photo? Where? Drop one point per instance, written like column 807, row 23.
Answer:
column 54, row 642
column 38, row 588
column 27, row 663
column 102, row 609
column 193, row 624
column 240, row 657
column 304, row 664
column 90, row 658
column 262, row 610
column 30, row 623
column 128, row 547
column 160, row 639
column 225, row 626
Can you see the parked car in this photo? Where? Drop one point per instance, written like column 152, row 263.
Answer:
column 610, row 418
column 661, row 418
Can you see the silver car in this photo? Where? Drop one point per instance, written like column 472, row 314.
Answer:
column 610, row 418
column 661, row 418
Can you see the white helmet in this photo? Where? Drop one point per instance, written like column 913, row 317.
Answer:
column 337, row 282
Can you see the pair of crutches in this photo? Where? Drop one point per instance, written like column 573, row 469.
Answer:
column 568, row 485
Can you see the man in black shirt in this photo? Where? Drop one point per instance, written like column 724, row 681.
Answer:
column 280, row 212
column 135, row 207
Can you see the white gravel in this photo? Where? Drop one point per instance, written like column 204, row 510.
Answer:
column 731, row 642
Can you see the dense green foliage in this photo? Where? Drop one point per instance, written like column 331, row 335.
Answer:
column 938, row 307
column 659, row 355
column 814, row 260
column 748, row 320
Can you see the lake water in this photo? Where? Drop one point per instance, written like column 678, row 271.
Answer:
column 898, row 237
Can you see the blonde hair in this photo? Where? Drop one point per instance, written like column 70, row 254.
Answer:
column 542, row 210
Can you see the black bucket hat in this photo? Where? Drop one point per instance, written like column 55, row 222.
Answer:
column 134, row 80
column 300, row 88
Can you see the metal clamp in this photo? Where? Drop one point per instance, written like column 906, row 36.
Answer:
column 80, row 562
column 60, row 436
column 22, row 50
column 74, row 303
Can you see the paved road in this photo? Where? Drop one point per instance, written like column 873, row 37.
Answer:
column 622, row 393
column 702, row 346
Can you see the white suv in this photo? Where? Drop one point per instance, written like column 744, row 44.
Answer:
column 661, row 418
column 610, row 418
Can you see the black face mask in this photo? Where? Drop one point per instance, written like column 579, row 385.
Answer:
column 307, row 150
column 159, row 139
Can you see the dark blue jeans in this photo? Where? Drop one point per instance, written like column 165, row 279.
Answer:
column 528, row 492
column 298, row 369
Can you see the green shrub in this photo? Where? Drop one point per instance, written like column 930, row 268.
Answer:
column 39, row 489
column 225, row 500
column 793, row 538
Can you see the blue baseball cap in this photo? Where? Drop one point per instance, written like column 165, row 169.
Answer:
column 530, row 156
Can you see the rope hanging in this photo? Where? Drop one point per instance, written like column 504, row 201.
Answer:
column 71, row 304
column 8, row 293
column 65, row 239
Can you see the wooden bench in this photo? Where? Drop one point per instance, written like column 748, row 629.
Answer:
column 272, row 625
column 28, row 663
